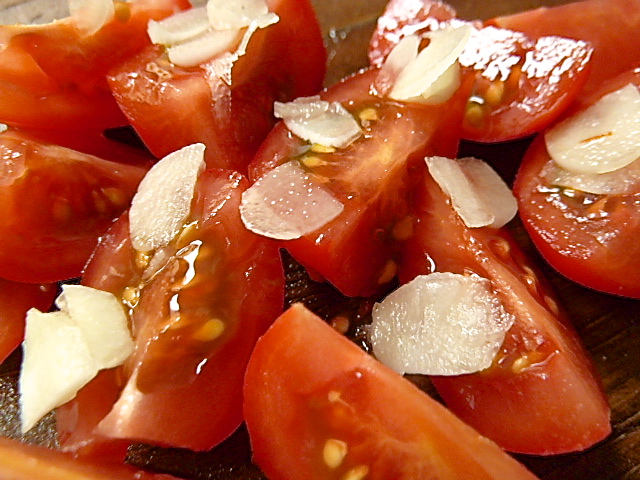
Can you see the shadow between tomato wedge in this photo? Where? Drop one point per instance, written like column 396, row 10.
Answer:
column 372, row 178
column 196, row 309
column 542, row 394
column 342, row 414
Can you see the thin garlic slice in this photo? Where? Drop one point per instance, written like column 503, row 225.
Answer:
column 287, row 203
column 179, row 27
column 318, row 121
column 439, row 324
column 224, row 14
column 478, row 194
column 204, row 47
column 91, row 15
column 163, row 200
column 603, row 138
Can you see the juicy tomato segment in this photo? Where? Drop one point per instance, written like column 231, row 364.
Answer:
column 52, row 76
column 542, row 376
column 520, row 85
column 351, row 417
column 615, row 41
column 15, row 300
column 372, row 178
column 196, row 309
column 589, row 238
column 73, row 198
column 170, row 106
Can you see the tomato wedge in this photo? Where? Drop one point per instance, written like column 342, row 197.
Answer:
column 351, row 417
column 52, row 76
column 372, row 178
column 521, row 83
column 541, row 395
column 196, row 308
column 568, row 226
column 54, row 204
column 171, row 106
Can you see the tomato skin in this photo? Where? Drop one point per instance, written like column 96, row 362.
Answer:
column 72, row 200
column 52, row 76
column 615, row 41
column 372, row 178
column 171, row 107
column 179, row 365
column 15, row 300
column 542, row 385
column 325, row 388
column 521, row 85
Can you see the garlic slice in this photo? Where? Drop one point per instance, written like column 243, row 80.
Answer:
column 287, row 203
column 439, row 324
column 163, row 200
column 224, row 14
column 603, row 138
column 418, row 80
column 91, row 15
column 204, row 47
column 179, row 27
column 478, row 194
column 318, row 121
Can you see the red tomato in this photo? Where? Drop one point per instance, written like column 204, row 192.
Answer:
column 52, row 76
column 15, row 300
column 351, row 417
column 171, row 106
column 521, row 85
column 196, row 312
column 372, row 178
column 54, row 204
column 19, row 461
column 610, row 26
column 591, row 239
column 541, row 395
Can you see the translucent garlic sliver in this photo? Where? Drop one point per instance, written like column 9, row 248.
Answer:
column 179, row 27
column 163, row 200
column 91, row 15
column 224, row 14
column 624, row 181
column 418, row 79
column 603, row 138
column 478, row 194
column 318, row 121
column 287, row 203
column 3, row 127
column 439, row 324
column 204, row 47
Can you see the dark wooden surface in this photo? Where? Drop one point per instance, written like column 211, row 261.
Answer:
column 610, row 326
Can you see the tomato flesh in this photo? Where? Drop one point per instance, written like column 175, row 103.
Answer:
column 339, row 407
column 372, row 178
column 541, row 395
column 195, row 321
column 170, row 106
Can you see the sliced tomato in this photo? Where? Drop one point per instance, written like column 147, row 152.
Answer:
column 52, row 76
column 196, row 311
column 170, row 106
column 15, row 300
column 54, row 204
column 541, row 395
column 19, row 461
column 351, row 417
column 372, row 178
column 522, row 84
column 610, row 26
column 589, row 238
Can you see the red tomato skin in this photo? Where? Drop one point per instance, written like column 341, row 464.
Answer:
column 171, row 376
column 20, row 461
column 54, row 204
column 610, row 26
column 171, row 107
column 15, row 300
column 372, row 178
column 542, row 386
column 523, row 103
column 325, row 387
column 52, row 76
column 567, row 233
